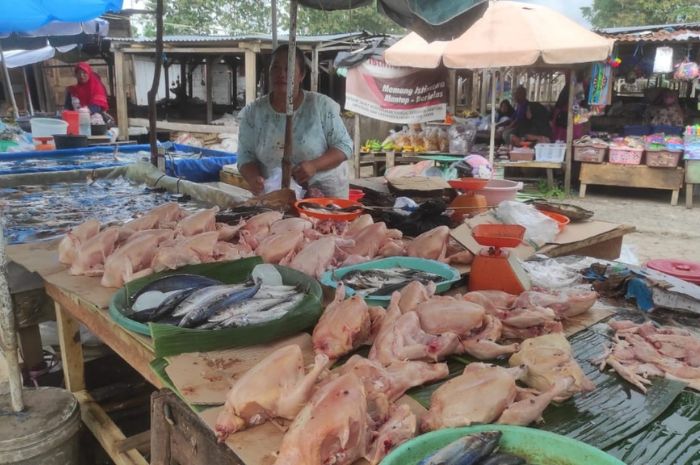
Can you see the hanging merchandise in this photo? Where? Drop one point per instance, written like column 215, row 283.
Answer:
column 663, row 62
column 600, row 90
column 687, row 71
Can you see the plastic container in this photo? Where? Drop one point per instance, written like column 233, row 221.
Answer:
column 499, row 235
column 355, row 195
column 47, row 127
column 498, row 190
column 468, row 204
column 521, row 155
column 681, row 269
column 468, row 184
column 553, row 153
column 663, row 158
column 666, row 129
column 73, row 119
column 327, row 202
column 561, row 220
column 637, row 130
column 65, row 141
column 625, row 156
column 590, row 153
column 84, row 117
column 449, row 274
column 534, row 445
column 6, row 144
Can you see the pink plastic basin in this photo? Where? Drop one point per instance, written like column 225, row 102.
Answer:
column 499, row 190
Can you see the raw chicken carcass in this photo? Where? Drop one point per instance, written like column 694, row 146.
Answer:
column 290, row 224
column 441, row 314
column 280, row 248
column 358, row 224
column 368, row 241
column 141, row 223
column 401, row 338
column 345, row 325
column 276, row 387
column 227, row 232
column 90, row 257
column 68, row 247
column 399, row 428
column 168, row 214
column 414, row 294
column 529, row 409
column 190, row 250
column 548, row 359
column 494, row 302
column 431, row 244
column 564, row 304
column 165, row 233
column 479, row 395
column 331, row 429
column 511, row 332
column 528, row 317
column 228, row 251
column 317, row 256
column 130, row 261
column 259, row 225
column 197, row 223
column 483, row 345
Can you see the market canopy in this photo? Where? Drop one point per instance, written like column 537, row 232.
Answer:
column 29, row 15
column 57, row 34
column 509, row 34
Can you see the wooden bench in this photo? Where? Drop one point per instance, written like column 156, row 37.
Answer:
column 610, row 174
column 548, row 166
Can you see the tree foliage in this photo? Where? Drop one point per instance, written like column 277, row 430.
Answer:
column 618, row 13
column 249, row 16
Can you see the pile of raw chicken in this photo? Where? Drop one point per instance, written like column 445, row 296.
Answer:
column 351, row 412
column 643, row 350
column 168, row 237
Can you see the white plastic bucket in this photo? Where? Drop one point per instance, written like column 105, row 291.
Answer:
column 47, row 127
column 498, row 190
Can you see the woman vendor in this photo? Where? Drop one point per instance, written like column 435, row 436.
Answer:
column 88, row 92
column 321, row 143
column 665, row 111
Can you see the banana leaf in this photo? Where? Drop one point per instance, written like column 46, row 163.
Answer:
column 173, row 340
column 614, row 410
column 158, row 366
column 673, row 439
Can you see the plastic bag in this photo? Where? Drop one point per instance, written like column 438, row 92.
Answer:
column 540, row 229
column 461, row 138
column 274, row 183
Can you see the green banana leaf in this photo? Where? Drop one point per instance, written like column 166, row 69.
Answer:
column 173, row 340
column 673, row 439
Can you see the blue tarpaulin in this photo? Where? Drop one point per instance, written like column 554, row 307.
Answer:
column 198, row 170
column 29, row 15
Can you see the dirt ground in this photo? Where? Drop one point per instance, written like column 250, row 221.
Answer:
column 663, row 231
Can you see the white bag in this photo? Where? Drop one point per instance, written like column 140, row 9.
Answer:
column 540, row 229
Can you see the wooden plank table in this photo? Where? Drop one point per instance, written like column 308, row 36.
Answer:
column 610, row 174
column 548, row 166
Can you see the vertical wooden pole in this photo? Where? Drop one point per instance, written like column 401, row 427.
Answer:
column 484, row 92
column 234, row 83
column 27, row 92
column 166, row 78
column 209, row 85
column 153, row 92
column 71, row 350
column 356, row 145
column 314, row 70
column 122, row 105
column 569, row 131
column 273, row 26
column 8, row 335
column 492, row 142
column 452, row 91
column 249, row 76
column 291, row 72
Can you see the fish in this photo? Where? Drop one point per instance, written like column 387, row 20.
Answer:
column 150, row 299
column 253, row 318
column 203, row 312
column 503, row 459
column 328, row 208
column 204, row 297
column 467, row 450
column 175, row 282
column 241, row 308
column 383, row 282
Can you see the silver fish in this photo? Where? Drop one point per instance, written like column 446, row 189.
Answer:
column 467, row 450
column 204, row 297
column 201, row 314
column 251, row 306
column 274, row 313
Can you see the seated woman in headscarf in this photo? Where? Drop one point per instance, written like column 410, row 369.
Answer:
column 88, row 92
column 665, row 111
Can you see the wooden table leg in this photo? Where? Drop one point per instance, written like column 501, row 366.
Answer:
column 674, row 197
column 550, row 178
column 689, row 195
column 71, row 350
column 30, row 342
column 582, row 191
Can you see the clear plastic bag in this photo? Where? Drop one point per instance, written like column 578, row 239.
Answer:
column 461, row 138
column 540, row 229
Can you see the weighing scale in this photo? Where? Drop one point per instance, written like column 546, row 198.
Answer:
column 495, row 268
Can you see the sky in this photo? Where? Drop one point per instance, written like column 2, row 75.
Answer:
column 571, row 8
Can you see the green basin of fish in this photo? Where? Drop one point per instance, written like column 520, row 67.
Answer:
column 171, row 340
column 536, row 446
column 448, row 274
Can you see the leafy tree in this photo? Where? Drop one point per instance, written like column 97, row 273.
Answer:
column 311, row 21
column 618, row 13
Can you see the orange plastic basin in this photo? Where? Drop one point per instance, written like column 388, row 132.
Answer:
column 328, row 201
column 499, row 235
column 356, row 194
column 468, row 184
column 561, row 220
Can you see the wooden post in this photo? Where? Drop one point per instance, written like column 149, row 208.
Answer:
column 8, row 335
column 569, row 131
column 183, row 77
column 166, row 78
column 452, row 91
column 484, row 92
column 122, row 105
column 249, row 76
column 314, row 70
column 356, row 144
column 71, row 350
column 291, row 72
column 209, row 88
column 40, row 89
column 153, row 92
column 234, row 83
column 27, row 92
column 492, row 142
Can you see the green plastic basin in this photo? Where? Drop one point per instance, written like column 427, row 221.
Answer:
column 536, row 446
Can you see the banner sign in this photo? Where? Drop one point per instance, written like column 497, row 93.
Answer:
column 396, row 94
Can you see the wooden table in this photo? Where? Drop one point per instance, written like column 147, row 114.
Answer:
column 548, row 166
column 386, row 160
column 692, row 177
column 610, row 174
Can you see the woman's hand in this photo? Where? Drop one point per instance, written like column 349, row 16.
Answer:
column 304, row 171
column 257, row 185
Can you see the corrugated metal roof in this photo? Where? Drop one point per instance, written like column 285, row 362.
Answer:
column 654, row 33
column 203, row 39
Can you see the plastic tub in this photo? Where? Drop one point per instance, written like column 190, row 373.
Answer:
column 499, row 235
column 63, row 141
column 468, row 184
column 681, row 269
column 561, row 220
column 499, row 190
column 47, row 127
column 521, row 155
column 355, row 195
column 590, row 153
column 73, row 119
column 663, row 158
column 626, row 156
column 553, row 153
